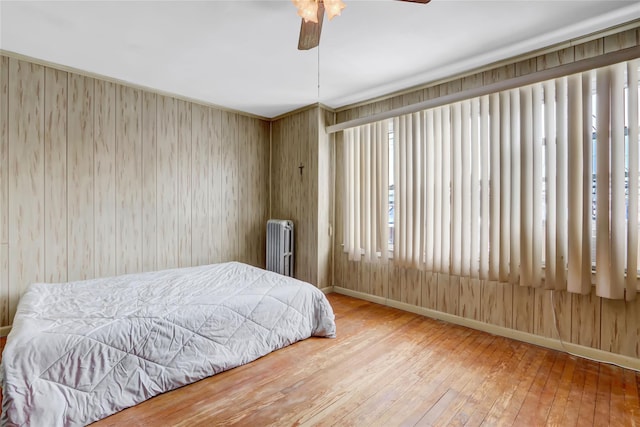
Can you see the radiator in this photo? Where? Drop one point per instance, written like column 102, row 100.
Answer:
column 280, row 246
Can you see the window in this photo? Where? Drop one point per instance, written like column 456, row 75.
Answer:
column 530, row 185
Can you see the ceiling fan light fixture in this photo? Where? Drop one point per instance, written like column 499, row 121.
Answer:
column 307, row 9
column 312, row 13
column 333, row 7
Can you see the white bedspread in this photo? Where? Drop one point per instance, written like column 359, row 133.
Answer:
column 81, row 351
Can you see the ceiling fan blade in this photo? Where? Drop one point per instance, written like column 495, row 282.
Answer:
column 310, row 31
column 417, row 1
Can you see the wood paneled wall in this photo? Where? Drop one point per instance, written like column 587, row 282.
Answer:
column 292, row 184
column 324, row 161
column 304, row 195
column 586, row 320
column 99, row 179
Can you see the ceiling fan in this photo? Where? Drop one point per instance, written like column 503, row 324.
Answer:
column 312, row 13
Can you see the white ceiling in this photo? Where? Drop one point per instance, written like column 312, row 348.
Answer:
column 243, row 54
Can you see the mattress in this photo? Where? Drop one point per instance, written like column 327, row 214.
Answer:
column 81, row 351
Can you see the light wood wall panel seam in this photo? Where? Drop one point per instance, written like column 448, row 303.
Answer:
column 129, row 180
column 184, row 184
column 4, row 150
column 149, row 182
column 4, row 284
column 90, row 142
column 156, row 180
column 80, row 177
column 116, row 165
column 4, row 191
column 104, row 179
column 55, row 163
column 93, row 181
column 26, row 170
column 201, row 177
column 191, row 202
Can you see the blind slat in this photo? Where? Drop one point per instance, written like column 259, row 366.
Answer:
column 366, row 145
column 505, row 185
column 526, row 186
column 561, row 183
column 550, row 187
column 632, row 234
column 514, row 256
column 456, row 181
column 437, row 250
column 537, row 230
column 430, row 184
column 446, row 190
column 475, row 187
column 417, row 193
column 494, row 193
column 617, row 171
column 603, row 246
column 466, row 188
column 484, row 187
column 587, row 178
column 575, row 279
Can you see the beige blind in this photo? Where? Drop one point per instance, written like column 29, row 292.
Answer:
column 366, row 154
column 536, row 185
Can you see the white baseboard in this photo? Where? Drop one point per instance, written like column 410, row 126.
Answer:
column 552, row 343
column 327, row 290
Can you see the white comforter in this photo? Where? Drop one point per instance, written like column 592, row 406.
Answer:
column 81, row 351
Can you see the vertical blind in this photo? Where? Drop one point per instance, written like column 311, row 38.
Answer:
column 536, row 185
column 366, row 160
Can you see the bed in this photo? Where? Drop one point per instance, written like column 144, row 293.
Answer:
column 81, row 351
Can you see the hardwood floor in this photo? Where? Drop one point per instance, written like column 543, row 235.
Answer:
column 388, row 367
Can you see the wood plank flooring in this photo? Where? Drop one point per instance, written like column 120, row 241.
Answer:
column 388, row 367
